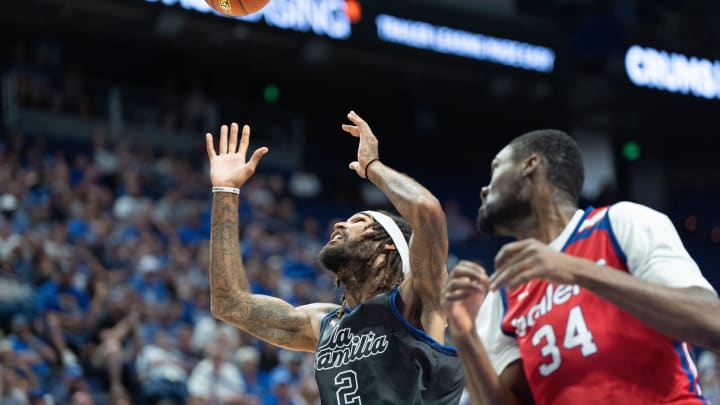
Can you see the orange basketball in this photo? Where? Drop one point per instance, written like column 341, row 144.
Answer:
column 237, row 8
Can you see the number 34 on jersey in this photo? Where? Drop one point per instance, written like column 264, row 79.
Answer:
column 577, row 335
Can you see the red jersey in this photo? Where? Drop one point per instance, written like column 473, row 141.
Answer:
column 577, row 348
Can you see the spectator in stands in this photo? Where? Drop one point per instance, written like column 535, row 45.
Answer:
column 215, row 379
column 17, row 379
column 304, row 184
column 307, row 392
column 132, row 203
column 70, row 381
column 184, row 344
column 289, row 362
column 15, row 293
column 160, row 370
column 11, row 392
column 281, row 389
column 248, row 360
column 31, row 349
column 117, row 340
column 103, row 155
column 68, row 313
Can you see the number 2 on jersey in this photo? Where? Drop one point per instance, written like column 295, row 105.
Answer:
column 347, row 386
column 576, row 334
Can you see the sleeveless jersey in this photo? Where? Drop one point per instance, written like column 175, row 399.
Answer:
column 373, row 356
column 577, row 348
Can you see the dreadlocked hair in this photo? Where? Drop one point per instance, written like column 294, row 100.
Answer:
column 393, row 275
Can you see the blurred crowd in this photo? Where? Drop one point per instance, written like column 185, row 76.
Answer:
column 104, row 296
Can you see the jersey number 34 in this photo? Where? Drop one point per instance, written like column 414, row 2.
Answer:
column 576, row 334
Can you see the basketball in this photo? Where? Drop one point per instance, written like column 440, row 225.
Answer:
column 237, row 8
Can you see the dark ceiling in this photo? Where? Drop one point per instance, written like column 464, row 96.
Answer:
column 427, row 100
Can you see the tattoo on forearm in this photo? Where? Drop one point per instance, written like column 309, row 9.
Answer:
column 227, row 275
column 273, row 323
column 402, row 191
column 265, row 317
column 430, row 231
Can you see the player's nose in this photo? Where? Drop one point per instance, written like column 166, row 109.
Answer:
column 484, row 192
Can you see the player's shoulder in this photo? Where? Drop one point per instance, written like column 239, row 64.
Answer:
column 492, row 311
column 628, row 211
column 318, row 311
column 320, row 308
column 319, row 315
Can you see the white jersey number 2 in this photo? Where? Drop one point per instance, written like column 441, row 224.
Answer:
column 347, row 386
column 576, row 334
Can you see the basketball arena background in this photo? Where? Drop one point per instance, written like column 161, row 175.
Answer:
column 104, row 178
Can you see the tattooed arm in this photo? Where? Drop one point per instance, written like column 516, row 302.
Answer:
column 429, row 243
column 270, row 319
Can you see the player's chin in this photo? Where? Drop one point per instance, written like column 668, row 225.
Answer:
column 484, row 222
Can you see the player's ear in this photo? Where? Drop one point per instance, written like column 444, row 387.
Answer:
column 530, row 164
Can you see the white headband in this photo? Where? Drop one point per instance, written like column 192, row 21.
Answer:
column 396, row 235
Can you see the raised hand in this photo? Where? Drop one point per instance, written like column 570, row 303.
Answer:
column 368, row 147
column 463, row 294
column 229, row 167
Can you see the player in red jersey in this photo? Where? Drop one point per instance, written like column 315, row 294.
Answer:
column 586, row 307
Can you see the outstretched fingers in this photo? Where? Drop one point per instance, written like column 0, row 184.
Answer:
column 256, row 156
column 358, row 128
column 352, row 116
column 223, row 139
column 232, row 145
column 244, row 141
column 210, row 146
column 229, row 143
column 351, row 129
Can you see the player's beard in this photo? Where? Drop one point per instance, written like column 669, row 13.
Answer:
column 349, row 260
column 501, row 215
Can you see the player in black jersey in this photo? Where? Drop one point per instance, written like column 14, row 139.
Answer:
column 386, row 343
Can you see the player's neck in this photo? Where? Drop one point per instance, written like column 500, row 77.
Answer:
column 360, row 289
column 355, row 298
column 547, row 220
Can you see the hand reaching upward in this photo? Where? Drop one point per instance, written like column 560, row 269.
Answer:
column 368, row 147
column 229, row 168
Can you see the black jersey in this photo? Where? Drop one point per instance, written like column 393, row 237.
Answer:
column 373, row 356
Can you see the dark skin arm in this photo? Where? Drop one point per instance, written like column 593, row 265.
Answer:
column 685, row 314
column 463, row 295
column 428, row 246
column 267, row 318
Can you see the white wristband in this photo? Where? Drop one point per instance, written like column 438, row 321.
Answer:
column 222, row 189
